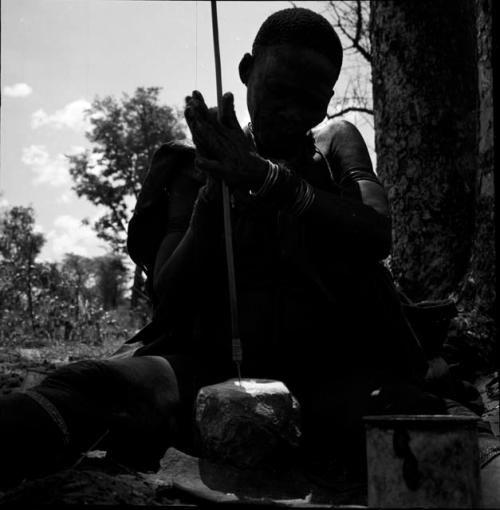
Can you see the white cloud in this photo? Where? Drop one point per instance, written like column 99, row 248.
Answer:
column 67, row 222
column 37, row 228
column 72, row 115
column 17, row 90
column 35, row 155
column 76, row 149
column 4, row 202
column 71, row 236
column 95, row 168
column 65, row 198
column 47, row 169
column 97, row 115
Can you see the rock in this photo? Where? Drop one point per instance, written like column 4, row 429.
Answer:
column 252, row 424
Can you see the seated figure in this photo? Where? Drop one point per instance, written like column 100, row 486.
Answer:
column 317, row 308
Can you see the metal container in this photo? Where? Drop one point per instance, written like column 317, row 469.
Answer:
column 429, row 461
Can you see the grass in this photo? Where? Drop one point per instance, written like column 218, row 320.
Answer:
column 27, row 353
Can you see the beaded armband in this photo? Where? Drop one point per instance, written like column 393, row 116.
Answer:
column 52, row 411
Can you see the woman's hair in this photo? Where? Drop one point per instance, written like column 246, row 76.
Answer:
column 299, row 27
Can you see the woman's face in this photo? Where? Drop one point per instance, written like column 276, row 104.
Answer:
column 288, row 92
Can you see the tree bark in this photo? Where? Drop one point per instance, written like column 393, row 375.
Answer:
column 478, row 289
column 425, row 100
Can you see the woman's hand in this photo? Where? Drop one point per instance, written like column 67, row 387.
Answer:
column 224, row 151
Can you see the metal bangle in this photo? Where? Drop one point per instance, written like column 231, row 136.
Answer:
column 274, row 174
column 299, row 196
column 270, row 180
column 304, row 198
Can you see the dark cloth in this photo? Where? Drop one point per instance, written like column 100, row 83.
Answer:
column 308, row 302
column 317, row 312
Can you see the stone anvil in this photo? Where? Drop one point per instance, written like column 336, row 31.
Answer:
column 247, row 424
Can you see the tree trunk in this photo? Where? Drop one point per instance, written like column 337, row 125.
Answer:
column 478, row 289
column 137, row 288
column 425, row 100
column 29, row 289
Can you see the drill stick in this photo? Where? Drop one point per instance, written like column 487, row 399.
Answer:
column 226, row 202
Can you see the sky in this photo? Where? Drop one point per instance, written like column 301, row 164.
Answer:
column 58, row 55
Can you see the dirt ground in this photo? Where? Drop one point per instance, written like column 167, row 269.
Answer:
column 97, row 480
column 17, row 362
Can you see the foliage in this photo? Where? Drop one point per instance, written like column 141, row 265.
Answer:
column 19, row 246
column 124, row 135
column 18, row 239
column 110, row 274
column 74, row 300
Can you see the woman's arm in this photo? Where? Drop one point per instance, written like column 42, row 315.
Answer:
column 360, row 225
column 171, row 231
column 147, row 227
column 356, row 218
column 183, row 251
column 360, row 216
column 194, row 220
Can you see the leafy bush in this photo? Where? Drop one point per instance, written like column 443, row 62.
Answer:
column 80, row 299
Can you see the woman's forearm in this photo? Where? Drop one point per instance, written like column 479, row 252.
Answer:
column 353, row 225
column 356, row 219
column 184, row 256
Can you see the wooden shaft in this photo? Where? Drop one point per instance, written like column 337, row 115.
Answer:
column 226, row 202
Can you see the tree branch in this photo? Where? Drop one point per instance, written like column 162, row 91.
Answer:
column 356, row 38
column 360, row 109
column 359, row 24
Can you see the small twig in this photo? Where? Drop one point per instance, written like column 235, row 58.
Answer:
column 358, row 30
column 360, row 109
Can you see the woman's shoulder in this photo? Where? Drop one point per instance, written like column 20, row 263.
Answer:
column 332, row 132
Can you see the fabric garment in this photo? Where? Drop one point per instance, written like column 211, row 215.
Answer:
column 301, row 288
column 317, row 309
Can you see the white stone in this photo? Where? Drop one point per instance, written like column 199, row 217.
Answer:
column 255, row 422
